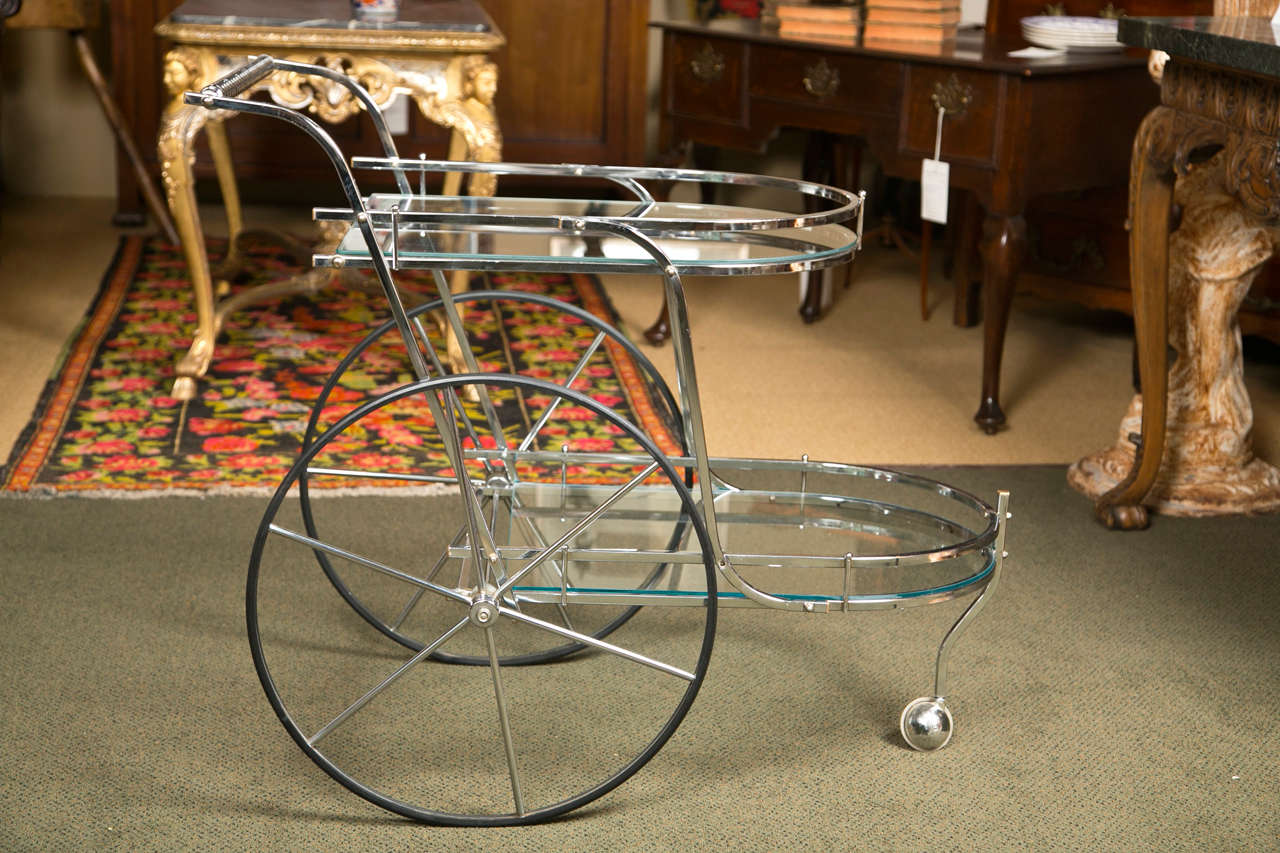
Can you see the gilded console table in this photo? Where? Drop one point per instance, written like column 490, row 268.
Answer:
column 436, row 54
column 1209, row 156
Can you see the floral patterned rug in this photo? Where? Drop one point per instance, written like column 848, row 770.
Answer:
column 107, row 424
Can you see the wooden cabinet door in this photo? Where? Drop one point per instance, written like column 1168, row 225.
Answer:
column 572, row 79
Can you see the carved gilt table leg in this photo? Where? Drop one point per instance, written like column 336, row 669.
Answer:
column 455, row 92
column 233, row 263
column 474, row 136
column 178, row 128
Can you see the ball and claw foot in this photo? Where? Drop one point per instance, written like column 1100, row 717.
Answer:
column 1122, row 516
column 184, row 388
column 926, row 723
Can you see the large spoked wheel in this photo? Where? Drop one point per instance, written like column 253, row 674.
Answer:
column 500, row 313
column 498, row 744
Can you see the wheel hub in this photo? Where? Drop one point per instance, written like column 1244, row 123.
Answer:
column 484, row 612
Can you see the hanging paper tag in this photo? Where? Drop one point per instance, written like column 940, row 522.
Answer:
column 935, row 179
column 935, row 175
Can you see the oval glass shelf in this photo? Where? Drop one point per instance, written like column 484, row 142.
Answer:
column 489, row 233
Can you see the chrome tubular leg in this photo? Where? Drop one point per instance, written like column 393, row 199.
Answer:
column 926, row 723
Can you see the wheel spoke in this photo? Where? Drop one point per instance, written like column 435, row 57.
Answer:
column 407, row 609
column 560, row 569
column 587, row 520
column 587, row 639
column 551, row 407
column 431, row 576
column 500, row 524
column 504, row 720
column 479, row 535
column 564, row 614
column 353, row 474
column 316, row 544
column 385, row 683
column 483, row 548
column 335, row 726
column 495, row 428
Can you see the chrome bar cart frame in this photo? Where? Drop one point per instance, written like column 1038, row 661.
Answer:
column 504, row 576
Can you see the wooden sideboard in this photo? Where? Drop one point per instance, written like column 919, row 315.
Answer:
column 1077, row 243
column 571, row 89
column 1044, row 148
column 1016, row 129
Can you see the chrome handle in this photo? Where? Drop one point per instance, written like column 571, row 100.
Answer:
column 235, row 82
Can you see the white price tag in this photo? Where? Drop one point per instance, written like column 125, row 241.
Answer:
column 396, row 114
column 935, row 179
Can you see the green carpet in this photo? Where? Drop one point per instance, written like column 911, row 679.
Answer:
column 1118, row 693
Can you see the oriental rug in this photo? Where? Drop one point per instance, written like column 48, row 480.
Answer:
column 107, row 424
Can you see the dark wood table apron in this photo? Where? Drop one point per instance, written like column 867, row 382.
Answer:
column 1029, row 127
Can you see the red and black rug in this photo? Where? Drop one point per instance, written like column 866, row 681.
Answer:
column 107, row 424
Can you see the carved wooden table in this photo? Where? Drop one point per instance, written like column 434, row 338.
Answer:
column 1208, row 153
column 436, row 54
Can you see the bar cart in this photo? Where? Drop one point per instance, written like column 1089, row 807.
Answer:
column 543, row 647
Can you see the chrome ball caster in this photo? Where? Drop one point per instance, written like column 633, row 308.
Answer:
column 926, row 723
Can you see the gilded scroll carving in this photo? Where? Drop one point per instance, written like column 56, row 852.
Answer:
column 331, row 101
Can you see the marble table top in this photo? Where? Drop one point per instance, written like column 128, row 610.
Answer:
column 1244, row 44
column 439, row 15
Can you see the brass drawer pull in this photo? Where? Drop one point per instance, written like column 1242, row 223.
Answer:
column 708, row 65
column 821, row 80
column 952, row 96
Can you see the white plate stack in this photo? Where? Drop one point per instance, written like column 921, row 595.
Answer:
column 1067, row 32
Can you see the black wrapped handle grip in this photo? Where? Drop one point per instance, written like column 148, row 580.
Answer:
column 233, row 83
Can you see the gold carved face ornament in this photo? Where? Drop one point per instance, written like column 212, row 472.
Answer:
column 481, row 81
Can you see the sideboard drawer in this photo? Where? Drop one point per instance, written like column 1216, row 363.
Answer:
column 706, row 78
column 823, row 78
column 966, row 136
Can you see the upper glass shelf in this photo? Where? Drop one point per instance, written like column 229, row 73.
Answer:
column 536, row 233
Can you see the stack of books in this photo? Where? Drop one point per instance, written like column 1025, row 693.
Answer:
column 834, row 22
column 930, row 21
